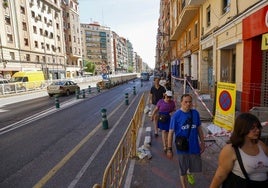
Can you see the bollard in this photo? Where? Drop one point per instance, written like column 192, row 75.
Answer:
column 126, row 98
column 141, row 84
column 89, row 89
column 134, row 90
column 57, row 102
column 84, row 93
column 104, row 118
column 77, row 94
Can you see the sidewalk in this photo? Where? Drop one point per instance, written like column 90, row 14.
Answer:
column 159, row 171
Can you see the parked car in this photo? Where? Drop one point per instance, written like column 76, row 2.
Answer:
column 5, row 87
column 62, row 88
column 28, row 80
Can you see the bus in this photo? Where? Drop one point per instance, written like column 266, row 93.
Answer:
column 145, row 76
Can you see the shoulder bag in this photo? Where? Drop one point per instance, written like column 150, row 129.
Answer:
column 182, row 142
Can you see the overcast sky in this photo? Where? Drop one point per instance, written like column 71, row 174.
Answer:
column 135, row 20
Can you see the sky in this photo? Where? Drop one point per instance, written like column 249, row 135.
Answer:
column 135, row 20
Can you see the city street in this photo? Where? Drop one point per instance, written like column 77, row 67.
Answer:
column 65, row 147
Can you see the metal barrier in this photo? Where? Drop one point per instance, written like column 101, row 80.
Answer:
column 126, row 149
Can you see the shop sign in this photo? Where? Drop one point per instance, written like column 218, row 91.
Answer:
column 264, row 43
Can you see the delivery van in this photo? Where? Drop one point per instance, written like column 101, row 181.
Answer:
column 28, row 80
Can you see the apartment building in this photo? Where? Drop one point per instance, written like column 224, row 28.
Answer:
column 72, row 38
column 31, row 37
column 184, row 31
column 222, row 41
column 120, row 53
column 163, row 46
column 98, row 47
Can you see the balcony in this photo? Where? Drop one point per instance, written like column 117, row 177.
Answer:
column 190, row 9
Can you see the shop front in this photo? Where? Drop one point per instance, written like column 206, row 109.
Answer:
column 255, row 67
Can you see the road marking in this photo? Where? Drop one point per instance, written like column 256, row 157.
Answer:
column 66, row 158
column 36, row 116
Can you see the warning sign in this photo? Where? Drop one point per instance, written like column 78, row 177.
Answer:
column 225, row 105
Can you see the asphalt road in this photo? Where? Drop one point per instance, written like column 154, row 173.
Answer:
column 41, row 146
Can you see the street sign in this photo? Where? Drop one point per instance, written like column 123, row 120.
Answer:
column 225, row 105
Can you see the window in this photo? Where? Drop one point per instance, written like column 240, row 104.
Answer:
column 7, row 20
column 195, row 30
column 37, row 58
column 26, row 42
column 189, row 36
column 41, row 31
column 185, row 40
column 12, row 55
column 225, row 6
column 35, row 29
column 36, row 44
column 9, row 38
column 46, row 33
column 22, row 10
column 28, row 57
column 33, row 14
column 24, row 26
column 208, row 16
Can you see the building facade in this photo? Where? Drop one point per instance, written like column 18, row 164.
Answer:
column 98, row 47
column 31, row 37
column 72, row 38
column 222, row 41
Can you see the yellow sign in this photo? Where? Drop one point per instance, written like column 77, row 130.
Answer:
column 264, row 43
column 225, row 105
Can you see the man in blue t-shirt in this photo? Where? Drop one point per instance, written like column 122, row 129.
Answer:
column 186, row 122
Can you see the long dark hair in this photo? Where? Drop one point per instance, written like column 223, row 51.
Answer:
column 243, row 124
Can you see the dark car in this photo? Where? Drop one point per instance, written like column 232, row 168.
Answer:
column 62, row 87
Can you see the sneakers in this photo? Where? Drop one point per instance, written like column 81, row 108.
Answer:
column 190, row 179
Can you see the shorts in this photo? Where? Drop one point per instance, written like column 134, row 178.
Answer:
column 191, row 162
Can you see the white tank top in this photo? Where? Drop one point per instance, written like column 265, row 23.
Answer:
column 255, row 166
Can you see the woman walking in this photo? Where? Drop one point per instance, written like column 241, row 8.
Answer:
column 164, row 109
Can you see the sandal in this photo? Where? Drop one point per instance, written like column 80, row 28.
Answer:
column 165, row 149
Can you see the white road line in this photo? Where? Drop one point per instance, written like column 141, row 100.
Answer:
column 89, row 161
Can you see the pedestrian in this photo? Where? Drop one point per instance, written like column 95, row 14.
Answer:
column 164, row 107
column 163, row 82
column 244, row 144
column 189, row 140
column 188, row 83
column 156, row 93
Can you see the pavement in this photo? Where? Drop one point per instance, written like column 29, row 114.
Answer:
column 161, row 172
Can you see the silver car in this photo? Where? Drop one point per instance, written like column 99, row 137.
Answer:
column 62, row 88
column 5, row 86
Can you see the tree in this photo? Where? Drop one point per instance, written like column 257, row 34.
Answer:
column 89, row 67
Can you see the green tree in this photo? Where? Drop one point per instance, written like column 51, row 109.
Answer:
column 89, row 67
